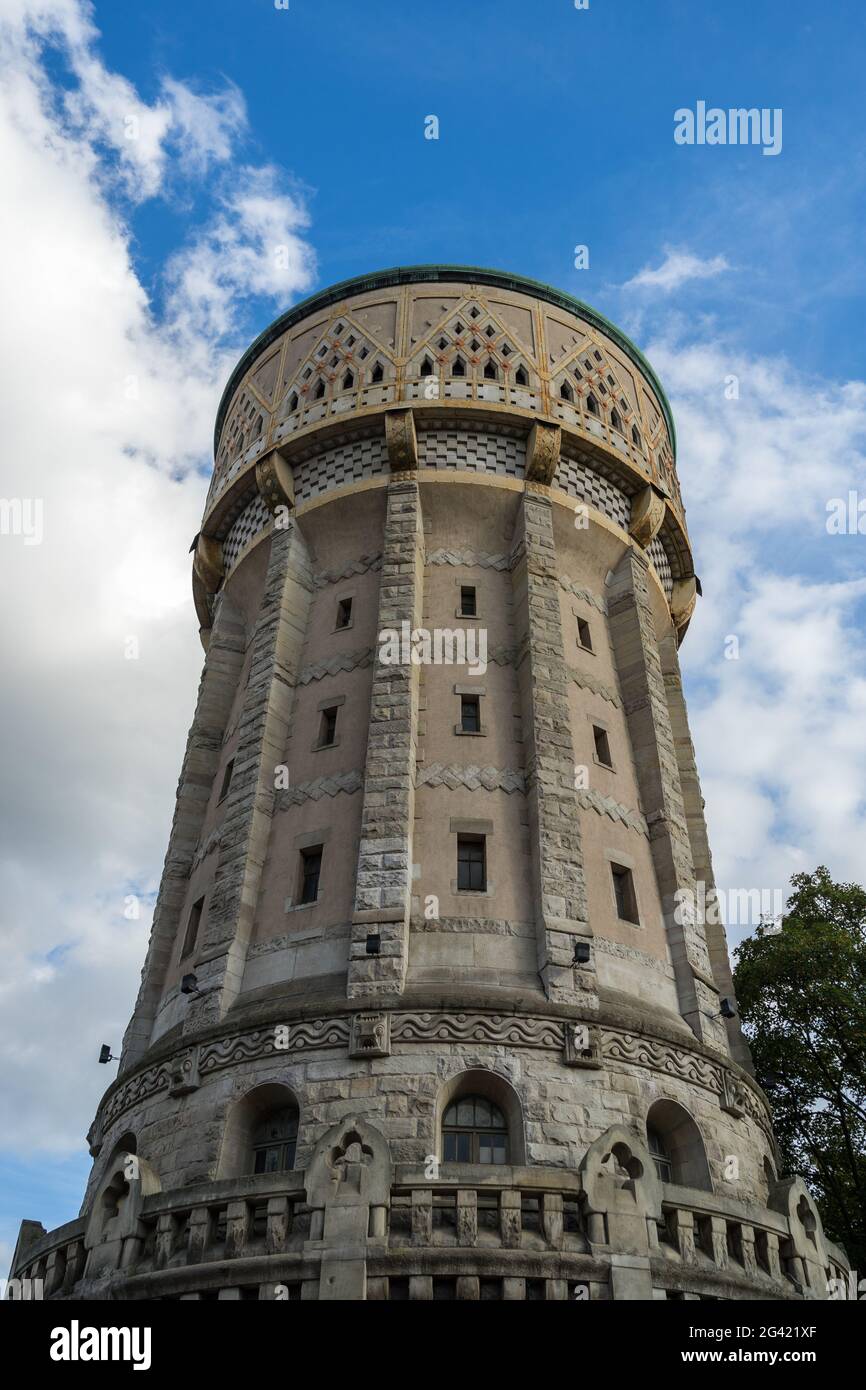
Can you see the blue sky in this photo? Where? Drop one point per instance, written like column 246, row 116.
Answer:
column 143, row 267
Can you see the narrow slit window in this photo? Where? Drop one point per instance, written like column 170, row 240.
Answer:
column 293, row 402
column 602, row 745
column 468, row 601
column 311, row 871
column 227, row 779
column 192, row 927
column 328, row 728
column 319, row 391
column 344, row 612
column 584, row 636
column 472, row 863
column 623, row 889
column 470, row 714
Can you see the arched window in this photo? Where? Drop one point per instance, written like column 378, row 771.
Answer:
column 520, row 377
column 474, row 1131
column 348, row 381
column 293, row 402
column 635, row 437
column 261, row 1133
column 490, row 371
column 378, row 373
column 274, row 1140
column 676, row 1146
column 592, row 404
column 319, row 391
column 459, row 368
column 566, row 392
column 616, row 420
column 426, row 367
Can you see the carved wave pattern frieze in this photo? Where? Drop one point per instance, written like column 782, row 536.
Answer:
column 429, row 1027
column 493, row 1028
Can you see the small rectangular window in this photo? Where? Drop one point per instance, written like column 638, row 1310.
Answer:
column 584, row 635
column 311, row 868
column 192, row 927
column 344, row 612
column 470, row 714
column 468, row 601
column 227, row 779
column 328, row 729
column 623, row 888
column 471, row 863
column 602, row 746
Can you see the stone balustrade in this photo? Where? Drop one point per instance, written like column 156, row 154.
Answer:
column 506, row 1232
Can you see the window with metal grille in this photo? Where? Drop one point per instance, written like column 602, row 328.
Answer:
column 474, row 1131
column 659, row 1155
column 227, row 779
column 468, row 601
column 623, row 887
column 311, row 869
column 471, row 863
column 328, row 729
column 602, row 745
column 470, row 714
column 192, row 927
column 274, row 1141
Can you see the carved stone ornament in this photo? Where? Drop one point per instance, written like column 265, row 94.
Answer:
column 371, row 1035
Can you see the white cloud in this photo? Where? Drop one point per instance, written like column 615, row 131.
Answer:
column 254, row 247
column 108, row 414
column 778, row 732
column 676, row 269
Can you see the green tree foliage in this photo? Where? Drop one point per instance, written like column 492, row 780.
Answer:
column 802, row 998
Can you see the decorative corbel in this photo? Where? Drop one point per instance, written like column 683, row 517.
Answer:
column 542, row 453
column 647, row 515
column 207, row 561
column 683, row 599
column 401, row 440
column 275, row 481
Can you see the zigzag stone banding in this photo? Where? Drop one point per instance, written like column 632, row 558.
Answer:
column 472, row 778
column 349, row 661
column 606, row 806
column 588, row 682
column 346, row 782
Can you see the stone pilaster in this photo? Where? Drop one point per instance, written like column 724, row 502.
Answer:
column 262, row 735
column 216, row 693
column 560, row 892
column 636, row 654
column 693, row 804
column 383, row 883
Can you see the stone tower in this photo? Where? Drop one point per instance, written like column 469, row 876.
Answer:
column 427, row 1011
